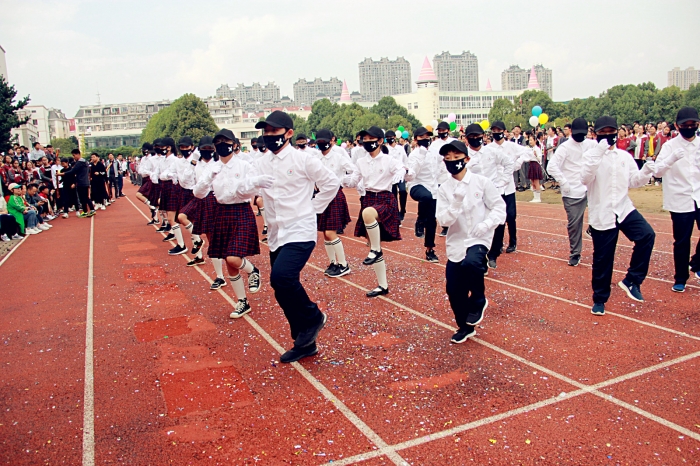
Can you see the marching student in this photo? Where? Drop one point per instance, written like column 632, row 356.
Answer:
column 292, row 226
column 681, row 187
column 424, row 188
column 565, row 166
column 608, row 173
column 518, row 154
column 397, row 151
column 258, row 200
column 155, row 167
column 379, row 213
column 443, row 137
column 336, row 216
column 234, row 234
column 168, row 179
column 184, row 173
column 255, row 153
column 302, row 144
column 472, row 207
column 144, row 192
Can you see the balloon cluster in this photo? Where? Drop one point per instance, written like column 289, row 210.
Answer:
column 538, row 118
column 402, row 132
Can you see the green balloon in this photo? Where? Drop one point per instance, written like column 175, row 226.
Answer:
column 339, row 142
column 401, row 128
column 453, row 126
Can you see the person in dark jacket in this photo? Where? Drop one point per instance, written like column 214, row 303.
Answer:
column 81, row 171
column 98, row 182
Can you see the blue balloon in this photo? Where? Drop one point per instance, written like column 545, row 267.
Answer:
column 404, row 134
column 536, row 110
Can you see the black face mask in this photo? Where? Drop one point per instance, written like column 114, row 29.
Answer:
column 687, row 133
column 145, row 153
column 578, row 137
column 301, row 146
column 423, row 142
column 370, row 146
column 152, row 152
column 164, row 151
column 254, row 146
column 455, row 166
column 275, row 142
column 443, row 135
column 206, row 154
column 610, row 137
column 186, row 152
column 475, row 143
column 497, row 136
column 324, row 146
column 262, row 149
column 390, row 140
column 224, row 149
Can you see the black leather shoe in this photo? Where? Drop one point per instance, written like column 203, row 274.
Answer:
column 378, row 291
column 371, row 260
column 511, row 249
column 296, row 353
column 308, row 337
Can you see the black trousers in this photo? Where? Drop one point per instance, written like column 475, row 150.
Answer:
column 8, row 225
column 286, row 264
column 399, row 190
column 683, row 223
column 426, row 213
column 465, row 284
column 84, row 198
column 637, row 230
column 500, row 232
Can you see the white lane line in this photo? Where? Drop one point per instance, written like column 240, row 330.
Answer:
column 89, row 384
column 12, row 251
column 575, row 303
column 347, row 412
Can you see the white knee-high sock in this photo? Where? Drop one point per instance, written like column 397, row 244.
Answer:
column 330, row 250
column 238, row 286
column 247, row 266
column 196, row 238
column 380, row 271
column 218, row 267
column 262, row 213
column 375, row 238
column 339, row 252
column 199, row 254
column 178, row 235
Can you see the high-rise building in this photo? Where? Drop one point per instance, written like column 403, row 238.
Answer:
column 50, row 123
column 257, row 93
column 384, row 77
column 224, row 92
column 308, row 92
column 457, row 72
column 3, row 64
column 516, row 78
column 683, row 78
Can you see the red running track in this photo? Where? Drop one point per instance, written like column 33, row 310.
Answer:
column 178, row 382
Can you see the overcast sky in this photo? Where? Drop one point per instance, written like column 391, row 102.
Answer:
column 63, row 52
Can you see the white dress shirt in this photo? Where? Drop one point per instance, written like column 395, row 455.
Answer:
column 339, row 164
column 185, row 172
column 202, row 187
column 156, row 166
column 167, row 169
column 518, row 154
column 443, row 174
column 608, row 177
column 482, row 203
column 232, row 185
column 426, row 167
column 494, row 165
column 145, row 164
column 378, row 173
column 289, row 208
column 357, row 153
column 682, row 179
column 244, row 156
column 398, row 152
column 566, row 165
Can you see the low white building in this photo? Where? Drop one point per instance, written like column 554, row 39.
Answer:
column 3, row 64
column 27, row 134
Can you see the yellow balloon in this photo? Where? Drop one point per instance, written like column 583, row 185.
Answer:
column 485, row 125
column 429, row 128
column 543, row 118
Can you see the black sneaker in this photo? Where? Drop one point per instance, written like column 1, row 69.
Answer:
column 378, row 291
column 264, row 231
column 632, row 290
column 296, row 354
column 430, row 256
column 339, row 271
column 598, row 309
column 492, row 263
column 254, row 281
column 163, row 228
column 330, row 269
column 218, row 283
column 169, row 237
column 371, row 260
column 475, row 319
column 589, row 232
column 444, row 231
column 419, row 230
column 308, row 337
column 196, row 246
column 402, row 215
column 574, row 261
column 177, row 250
column 264, row 240
column 242, row 308
column 463, row 335
column 195, row 261
column 511, row 249
column 152, row 222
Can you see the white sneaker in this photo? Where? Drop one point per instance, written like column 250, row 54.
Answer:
column 103, row 207
column 16, row 236
column 71, row 209
column 33, row 231
column 48, row 225
column 77, row 213
column 542, row 188
column 42, row 227
column 64, row 215
column 4, row 238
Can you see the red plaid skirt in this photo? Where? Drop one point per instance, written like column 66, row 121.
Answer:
column 183, row 196
column 201, row 213
column 168, row 196
column 146, row 187
column 154, row 195
column 235, row 232
column 336, row 216
column 388, row 209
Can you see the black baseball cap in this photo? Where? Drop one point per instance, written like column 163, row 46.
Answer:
column 390, row 134
column 498, row 124
column 185, row 141
column 276, row 119
column 302, row 136
column 605, row 122
column 687, row 114
column 474, row 129
column 225, row 134
column 254, row 140
column 421, row 131
column 456, row 145
column 373, row 131
column 579, row 126
column 323, row 135
column 443, row 125
column 206, row 141
column 158, row 142
column 147, row 146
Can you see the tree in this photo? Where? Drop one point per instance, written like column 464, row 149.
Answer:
column 186, row 116
column 692, row 96
column 320, row 110
column 8, row 113
column 387, row 106
column 301, row 126
column 501, row 108
column 103, row 152
column 65, row 145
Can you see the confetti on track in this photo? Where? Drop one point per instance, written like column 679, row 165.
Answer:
column 178, row 382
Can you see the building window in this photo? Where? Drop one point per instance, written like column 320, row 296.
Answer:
column 415, row 105
column 34, row 122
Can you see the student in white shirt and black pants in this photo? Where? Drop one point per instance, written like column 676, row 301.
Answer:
column 472, row 207
column 292, row 210
column 676, row 164
column 608, row 173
